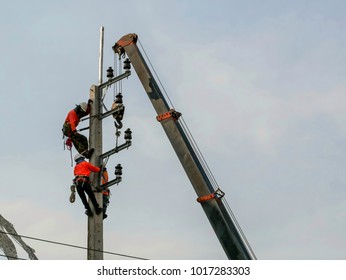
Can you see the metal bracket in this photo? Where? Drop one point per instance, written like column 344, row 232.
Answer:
column 217, row 194
column 170, row 114
column 114, row 80
column 116, row 150
column 110, row 183
column 111, row 112
column 84, row 128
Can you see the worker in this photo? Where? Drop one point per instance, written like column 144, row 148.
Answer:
column 82, row 172
column 80, row 142
column 105, row 193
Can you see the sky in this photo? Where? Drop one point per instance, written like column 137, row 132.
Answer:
column 260, row 85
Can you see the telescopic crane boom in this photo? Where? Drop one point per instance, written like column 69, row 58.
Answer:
column 224, row 224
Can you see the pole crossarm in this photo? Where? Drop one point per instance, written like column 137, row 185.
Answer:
column 111, row 112
column 114, row 80
column 110, row 183
column 84, row 128
column 115, row 150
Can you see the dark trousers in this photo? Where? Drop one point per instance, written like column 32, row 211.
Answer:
column 80, row 142
column 105, row 202
column 82, row 188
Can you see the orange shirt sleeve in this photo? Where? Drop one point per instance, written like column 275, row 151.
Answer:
column 93, row 168
column 85, row 168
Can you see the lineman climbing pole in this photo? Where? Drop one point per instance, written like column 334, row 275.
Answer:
column 95, row 223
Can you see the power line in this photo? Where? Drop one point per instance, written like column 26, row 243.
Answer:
column 73, row 246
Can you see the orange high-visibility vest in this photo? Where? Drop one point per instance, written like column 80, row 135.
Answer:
column 72, row 119
column 105, row 180
column 84, row 168
column 104, row 177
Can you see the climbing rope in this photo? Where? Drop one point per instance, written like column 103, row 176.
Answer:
column 68, row 145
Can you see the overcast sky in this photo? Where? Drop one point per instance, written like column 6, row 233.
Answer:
column 261, row 85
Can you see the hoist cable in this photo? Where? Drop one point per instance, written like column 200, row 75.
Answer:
column 115, row 65
column 120, row 88
column 239, row 228
column 198, row 154
column 201, row 157
column 170, row 102
column 228, row 208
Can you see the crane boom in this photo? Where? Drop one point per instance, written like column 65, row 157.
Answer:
column 226, row 228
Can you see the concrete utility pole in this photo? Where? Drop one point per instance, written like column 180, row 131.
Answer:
column 95, row 223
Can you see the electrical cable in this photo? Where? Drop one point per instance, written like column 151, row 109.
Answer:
column 73, row 246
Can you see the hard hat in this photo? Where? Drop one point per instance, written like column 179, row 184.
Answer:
column 77, row 157
column 83, row 106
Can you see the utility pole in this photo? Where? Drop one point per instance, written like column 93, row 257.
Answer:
column 95, row 223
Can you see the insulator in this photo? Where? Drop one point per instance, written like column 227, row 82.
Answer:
column 127, row 65
column 128, row 135
column 110, row 73
column 119, row 98
column 118, row 170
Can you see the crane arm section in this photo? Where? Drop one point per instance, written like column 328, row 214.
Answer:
column 222, row 222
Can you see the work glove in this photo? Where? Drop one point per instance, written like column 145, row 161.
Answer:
column 68, row 143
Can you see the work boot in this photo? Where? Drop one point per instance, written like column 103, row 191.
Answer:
column 98, row 211
column 88, row 213
column 88, row 153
